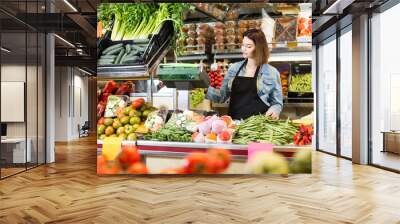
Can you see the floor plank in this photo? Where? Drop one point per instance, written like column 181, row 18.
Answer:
column 69, row 191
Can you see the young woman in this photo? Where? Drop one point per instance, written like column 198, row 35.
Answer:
column 253, row 86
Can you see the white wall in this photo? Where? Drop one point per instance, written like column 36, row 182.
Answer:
column 71, row 102
column 14, row 73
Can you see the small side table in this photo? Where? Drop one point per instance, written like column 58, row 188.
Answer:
column 391, row 141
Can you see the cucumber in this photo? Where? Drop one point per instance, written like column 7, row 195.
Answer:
column 123, row 58
column 118, row 59
column 108, row 49
column 128, row 48
column 115, row 51
column 108, row 56
column 137, row 48
column 105, row 62
column 129, row 59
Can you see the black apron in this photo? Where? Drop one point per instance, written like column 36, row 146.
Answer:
column 244, row 101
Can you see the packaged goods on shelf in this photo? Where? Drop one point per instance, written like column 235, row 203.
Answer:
column 286, row 29
column 187, row 120
column 156, row 120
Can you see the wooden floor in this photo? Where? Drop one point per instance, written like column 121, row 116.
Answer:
column 387, row 159
column 69, row 191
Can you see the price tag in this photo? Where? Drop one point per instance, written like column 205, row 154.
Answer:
column 111, row 147
column 254, row 148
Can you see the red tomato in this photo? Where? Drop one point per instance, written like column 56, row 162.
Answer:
column 137, row 168
column 108, row 169
column 136, row 105
column 129, row 155
column 225, row 136
column 196, row 163
column 222, row 154
column 101, row 160
column 214, row 165
column 140, row 100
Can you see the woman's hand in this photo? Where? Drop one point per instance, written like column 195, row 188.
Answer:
column 272, row 114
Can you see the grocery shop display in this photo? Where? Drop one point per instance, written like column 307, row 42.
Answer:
column 129, row 32
column 304, row 135
column 171, row 134
column 215, row 129
column 121, row 160
column 196, row 97
column 274, row 163
column 122, row 53
column 304, row 27
column 112, row 88
column 125, row 121
column 301, row 83
column 216, row 78
column 261, row 128
column 137, row 21
column 285, row 82
column 178, row 71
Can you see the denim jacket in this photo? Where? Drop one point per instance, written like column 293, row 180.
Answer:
column 269, row 87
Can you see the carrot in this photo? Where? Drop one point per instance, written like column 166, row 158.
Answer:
column 99, row 29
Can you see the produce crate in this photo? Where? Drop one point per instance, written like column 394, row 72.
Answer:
column 299, row 69
column 202, row 82
column 171, row 72
column 154, row 47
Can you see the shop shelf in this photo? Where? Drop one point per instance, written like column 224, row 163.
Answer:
column 275, row 56
column 298, row 104
column 220, row 105
column 194, row 57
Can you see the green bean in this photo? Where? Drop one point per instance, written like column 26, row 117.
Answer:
column 260, row 127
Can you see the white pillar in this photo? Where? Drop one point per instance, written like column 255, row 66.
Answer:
column 50, row 101
column 360, row 90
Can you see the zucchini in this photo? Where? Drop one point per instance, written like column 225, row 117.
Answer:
column 108, row 49
column 128, row 48
column 121, row 53
column 115, row 51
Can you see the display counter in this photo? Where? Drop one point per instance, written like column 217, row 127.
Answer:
column 181, row 149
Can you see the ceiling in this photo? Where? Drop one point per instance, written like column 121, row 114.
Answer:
column 75, row 21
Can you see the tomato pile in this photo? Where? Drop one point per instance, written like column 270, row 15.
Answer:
column 216, row 78
column 127, row 161
column 213, row 161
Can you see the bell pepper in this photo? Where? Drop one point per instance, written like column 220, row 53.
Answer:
column 110, row 86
